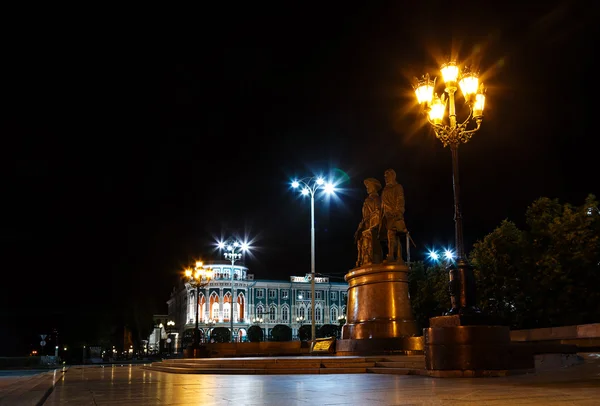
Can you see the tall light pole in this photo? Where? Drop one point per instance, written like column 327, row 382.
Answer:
column 452, row 133
column 309, row 188
column 233, row 252
column 170, row 323
column 198, row 278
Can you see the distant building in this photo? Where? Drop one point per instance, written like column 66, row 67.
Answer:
column 273, row 301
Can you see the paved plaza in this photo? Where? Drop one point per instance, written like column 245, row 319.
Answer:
column 133, row 385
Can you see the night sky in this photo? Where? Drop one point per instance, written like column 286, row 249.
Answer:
column 123, row 163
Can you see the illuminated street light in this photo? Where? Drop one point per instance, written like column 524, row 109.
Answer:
column 198, row 277
column 434, row 256
column 452, row 133
column 233, row 252
column 170, row 323
column 449, row 255
column 310, row 187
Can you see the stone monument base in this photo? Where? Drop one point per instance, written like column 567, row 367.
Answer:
column 471, row 343
column 379, row 303
column 380, row 346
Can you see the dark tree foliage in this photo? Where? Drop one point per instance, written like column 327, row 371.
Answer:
column 220, row 335
column 305, row 332
column 255, row 334
column 501, row 272
column 547, row 275
column 329, row 330
column 281, row 332
column 428, row 289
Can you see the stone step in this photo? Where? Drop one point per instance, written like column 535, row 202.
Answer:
column 394, row 364
column 400, row 364
column 257, row 371
column 395, row 371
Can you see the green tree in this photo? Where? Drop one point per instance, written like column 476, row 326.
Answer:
column 546, row 275
column 566, row 254
column 503, row 274
column 281, row 332
column 255, row 334
column 428, row 289
column 220, row 335
column 329, row 330
column 305, row 332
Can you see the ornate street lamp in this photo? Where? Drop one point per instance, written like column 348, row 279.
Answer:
column 452, row 133
column 309, row 188
column 210, row 324
column 233, row 252
column 160, row 327
column 170, row 323
column 198, row 278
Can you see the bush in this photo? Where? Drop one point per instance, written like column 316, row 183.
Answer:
column 304, row 332
column 255, row 334
column 220, row 335
column 329, row 330
column 281, row 332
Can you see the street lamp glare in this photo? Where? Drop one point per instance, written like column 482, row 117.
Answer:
column 424, row 90
column 469, row 84
column 320, row 181
column 305, row 191
column 329, row 188
column 449, row 72
column 434, row 255
column 295, row 184
column 438, row 108
column 448, row 254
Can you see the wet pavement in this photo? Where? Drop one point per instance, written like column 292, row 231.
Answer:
column 133, row 385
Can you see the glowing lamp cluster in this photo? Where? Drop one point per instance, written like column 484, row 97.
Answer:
column 436, row 106
column 448, row 255
column 199, row 274
column 307, row 189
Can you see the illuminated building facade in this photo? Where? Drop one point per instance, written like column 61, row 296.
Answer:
column 270, row 301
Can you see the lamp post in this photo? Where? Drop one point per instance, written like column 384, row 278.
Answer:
column 452, row 133
column 233, row 252
column 160, row 327
column 170, row 323
column 198, row 278
column 309, row 188
column 210, row 323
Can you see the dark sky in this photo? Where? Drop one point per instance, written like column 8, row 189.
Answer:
column 122, row 162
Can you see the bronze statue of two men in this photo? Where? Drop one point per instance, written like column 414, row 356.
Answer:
column 382, row 220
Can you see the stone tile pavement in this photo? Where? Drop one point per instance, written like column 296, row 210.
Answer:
column 133, row 385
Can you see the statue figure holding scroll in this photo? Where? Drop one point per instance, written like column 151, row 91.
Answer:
column 366, row 235
column 392, row 222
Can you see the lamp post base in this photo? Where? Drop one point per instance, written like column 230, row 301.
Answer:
column 462, row 289
column 195, row 351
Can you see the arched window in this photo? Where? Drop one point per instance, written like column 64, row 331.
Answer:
column 192, row 306
column 272, row 314
column 214, row 306
column 227, row 306
column 318, row 314
column 285, row 314
column 260, row 311
column 302, row 313
column 334, row 315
